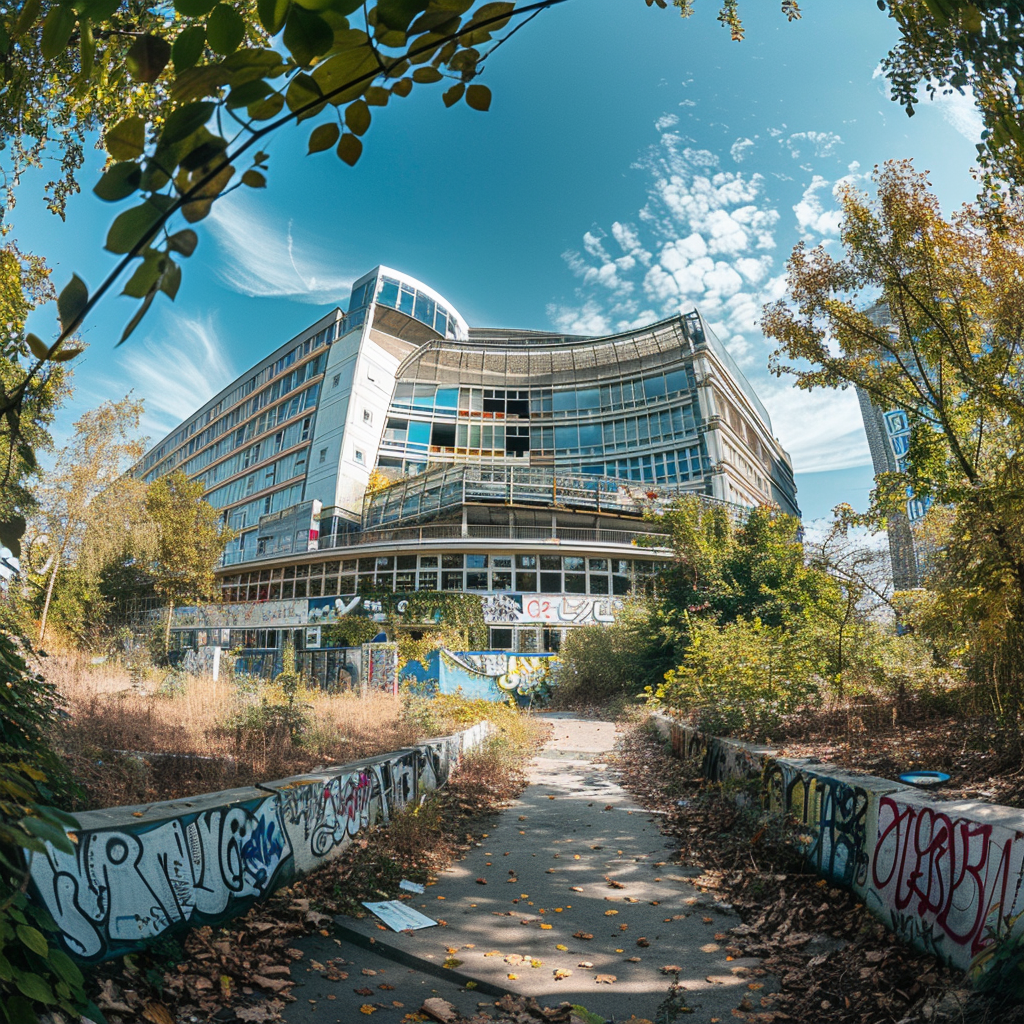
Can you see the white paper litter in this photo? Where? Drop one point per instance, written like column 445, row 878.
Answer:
column 398, row 917
column 410, row 886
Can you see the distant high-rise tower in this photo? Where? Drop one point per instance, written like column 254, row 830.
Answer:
column 888, row 433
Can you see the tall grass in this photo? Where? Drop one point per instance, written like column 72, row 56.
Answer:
column 128, row 744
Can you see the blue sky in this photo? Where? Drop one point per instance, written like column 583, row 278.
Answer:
column 632, row 164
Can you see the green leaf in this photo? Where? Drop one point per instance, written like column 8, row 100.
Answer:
column 268, row 108
column 181, row 123
column 302, row 92
column 34, row 987
column 86, row 49
column 147, row 275
column 376, row 96
column 357, row 117
column 12, row 530
column 183, row 242
column 454, row 94
column 71, row 303
column 27, row 17
column 33, row 938
column 119, row 182
column 398, row 14
column 272, row 14
column 19, row 1011
column 59, row 816
column 147, row 57
column 137, row 319
column 427, row 76
column 188, row 48
column 306, row 35
column 6, row 970
column 479, row 97
column 64, row 355
column 65, row 967
column 402, row 87
column 247, row 94
column 254, row 179
column 337, row 74
column 49, row 833
column 126, row 140
column 194, row 8
column 130, row 227
column 495, row 10
column 225, row 29
column 323, row 136
column 195, row 83
column 170, row 281
column 350, row 149
column 57, row 29
column 37, row 346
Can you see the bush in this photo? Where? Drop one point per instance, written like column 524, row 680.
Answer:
column 743, row 677
column 599, row 663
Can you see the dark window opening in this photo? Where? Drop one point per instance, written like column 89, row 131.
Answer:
column 515, row 407
column 442, row 435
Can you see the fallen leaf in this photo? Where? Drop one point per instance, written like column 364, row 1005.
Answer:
column 562, row 972
column 562, row 948
column 632, row 959
column 586, row 963
column 605, row 979
column 513, row 977
column 546, row 927
column 439, row 1010
column 610, row 913
column 363, row 991
column 481, row 881
column 671, row 969
column 582, row 935
column 493, row 952
column 368, row 972
column 157, row 1013
column 367, row 1009
column 576, row 888
column 642, row 942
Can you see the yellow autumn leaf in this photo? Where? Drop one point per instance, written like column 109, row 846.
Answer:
column 610, row 913
column 546, row 927
column 367, row 1009
column 561, row 947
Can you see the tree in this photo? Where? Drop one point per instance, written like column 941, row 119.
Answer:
column 951, row 358
column 80, row 494
column 190, row 542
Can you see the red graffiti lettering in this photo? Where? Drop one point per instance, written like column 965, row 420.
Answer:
column 948, row 871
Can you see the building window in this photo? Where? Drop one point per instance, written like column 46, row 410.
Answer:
column 323, row 456
column 367, row 416
column 501, row 638
column 359, row 456
column 306, row 423
column 335, row 380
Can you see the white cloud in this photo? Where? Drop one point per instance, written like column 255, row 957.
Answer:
column 811, row 217
column 837, row 440
column 738, row 150
column 174, row 370
column 263, row 259
column 706, row 238
column 666, row 121
column 821, row 144
column 961, row 113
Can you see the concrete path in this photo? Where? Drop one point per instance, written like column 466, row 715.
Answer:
column 569, row 897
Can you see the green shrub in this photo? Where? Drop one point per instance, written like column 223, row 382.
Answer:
column 743, row 677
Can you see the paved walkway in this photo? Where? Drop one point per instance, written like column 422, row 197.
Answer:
column 569, row 897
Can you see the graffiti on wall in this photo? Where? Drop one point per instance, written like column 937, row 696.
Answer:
column 249, row 615
column 123, row 886
column 380, row 667
column 323, row 813
column 130, row 881
column 527, row 608
column 835, row 813
column 945, row 881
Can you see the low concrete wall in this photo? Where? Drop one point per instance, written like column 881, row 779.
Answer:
column 945, row 875
column 142, row 872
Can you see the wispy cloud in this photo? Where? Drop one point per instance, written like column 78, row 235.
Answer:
column 177, row 368
column 264, row 258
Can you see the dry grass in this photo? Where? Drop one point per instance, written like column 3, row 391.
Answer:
column 206, row 736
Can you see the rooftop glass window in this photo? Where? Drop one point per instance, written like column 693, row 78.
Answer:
column 564, row 401
column 424, row 309
column 446, row 398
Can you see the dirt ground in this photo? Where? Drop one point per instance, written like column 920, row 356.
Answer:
column 981, row 759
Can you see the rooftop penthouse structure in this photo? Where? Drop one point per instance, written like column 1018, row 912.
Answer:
column 394, row 447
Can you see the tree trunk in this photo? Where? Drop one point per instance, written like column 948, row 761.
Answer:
column 167, row 628
column 49, row 594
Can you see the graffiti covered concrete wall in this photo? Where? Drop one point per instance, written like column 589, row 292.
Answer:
column 945, row 875
column 140, row 872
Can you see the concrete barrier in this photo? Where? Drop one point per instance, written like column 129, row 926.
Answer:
column 945, row 875
column 140, row 873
